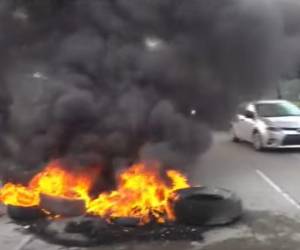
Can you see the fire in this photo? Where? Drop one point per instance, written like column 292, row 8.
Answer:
column 18, row 195
column 144, row 192
column 54, row 181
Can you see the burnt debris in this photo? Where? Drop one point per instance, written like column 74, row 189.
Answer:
column 94, row 231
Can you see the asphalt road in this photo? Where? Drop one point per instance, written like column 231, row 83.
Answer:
column 267, row 182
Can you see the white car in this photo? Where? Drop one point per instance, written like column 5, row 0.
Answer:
column 268, row 124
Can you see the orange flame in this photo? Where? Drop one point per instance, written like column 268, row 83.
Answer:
column 142, row 192
column 18, row 195
column 54, row 181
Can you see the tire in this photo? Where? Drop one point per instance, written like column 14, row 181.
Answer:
column 235, row 139
column 62, row 206
column 206, row 206
column 24, row 213
column 257, row 141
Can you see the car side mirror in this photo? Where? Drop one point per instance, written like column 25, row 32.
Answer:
column 249, row 114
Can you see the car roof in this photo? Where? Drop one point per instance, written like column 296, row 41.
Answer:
column 269, row 101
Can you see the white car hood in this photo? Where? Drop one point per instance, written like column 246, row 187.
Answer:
column 283, row 122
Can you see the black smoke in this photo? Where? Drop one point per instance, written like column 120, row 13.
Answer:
column 110, row 82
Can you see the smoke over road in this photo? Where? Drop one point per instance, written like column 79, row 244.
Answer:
column 113, row 81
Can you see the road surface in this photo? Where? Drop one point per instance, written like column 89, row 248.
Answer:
column 268, row 183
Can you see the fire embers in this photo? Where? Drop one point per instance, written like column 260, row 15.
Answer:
column 143, row 192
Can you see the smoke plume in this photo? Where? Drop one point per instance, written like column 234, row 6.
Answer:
column 114, row 81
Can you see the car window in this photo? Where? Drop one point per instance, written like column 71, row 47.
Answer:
column 277, row 109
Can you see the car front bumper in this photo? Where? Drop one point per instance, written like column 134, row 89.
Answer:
column 281, row 139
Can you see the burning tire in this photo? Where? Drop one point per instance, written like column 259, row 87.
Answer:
column 205, row 206
column 24, row 213
column 62, row 206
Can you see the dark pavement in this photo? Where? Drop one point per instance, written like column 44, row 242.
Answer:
column 255, row 176
column 268, row 183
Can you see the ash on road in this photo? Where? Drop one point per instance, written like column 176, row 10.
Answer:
column 267, row 182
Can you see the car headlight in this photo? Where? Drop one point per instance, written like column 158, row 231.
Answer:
column 276, row 129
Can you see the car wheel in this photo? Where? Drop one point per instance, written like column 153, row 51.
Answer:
column 234, row 137
column 257, row 141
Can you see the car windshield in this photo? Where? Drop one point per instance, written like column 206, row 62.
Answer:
column 277, row 109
